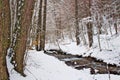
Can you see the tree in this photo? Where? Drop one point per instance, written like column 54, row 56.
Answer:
column 44, row 26
column 97, row 18
column 90, row 33
column 41, row 29
column 90, row 26
column 4, row 37
column 38, row 31
column 77, row 23
column 24, row 17
column 115, row 26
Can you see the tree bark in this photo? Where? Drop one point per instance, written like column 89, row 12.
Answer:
column 90, row 33
column 38, row 33
column 115, row 26
column 77, row 23
column 90, row 27
column 4, row 37
column 44, row 25
column 20, row 48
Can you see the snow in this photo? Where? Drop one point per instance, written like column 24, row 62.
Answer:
column 110, row 48
column 40, row 66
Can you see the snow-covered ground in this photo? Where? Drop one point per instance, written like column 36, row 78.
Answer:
column 40, row 66
column 110, row 46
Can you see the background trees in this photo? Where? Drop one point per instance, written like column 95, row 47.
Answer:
column 23, row 22
column 61, row 19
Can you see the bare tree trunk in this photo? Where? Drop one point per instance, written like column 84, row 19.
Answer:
column 98, row 31
column 77, row 23
column 43, row 27
column 98, row 35
column 38, row 33
column 41, row 30
column 115, row 26
column 90, row 27
column 4, row 37
column 90, row 33
column 83, row 35
column 99, row 28
column 15, row 30
column 44, row 24
column 20, row 48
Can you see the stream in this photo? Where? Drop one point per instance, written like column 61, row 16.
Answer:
column 79, row 62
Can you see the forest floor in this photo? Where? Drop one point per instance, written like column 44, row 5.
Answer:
column 110, row 48
column 40, row 66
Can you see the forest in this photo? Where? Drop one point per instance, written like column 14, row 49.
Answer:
column 59, row 39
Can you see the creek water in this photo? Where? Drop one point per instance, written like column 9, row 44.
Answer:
column 79, row 62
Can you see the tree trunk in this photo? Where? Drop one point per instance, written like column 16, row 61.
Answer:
column 90, row 27
column 99, row 28
column 83, row 35
column 98, row 35
column 38, row 33
column 43, row 27
column 20, row 48
column 115, row 26
column 77, row 23
column 90, row 33
column 4, row 37
column 44, row 24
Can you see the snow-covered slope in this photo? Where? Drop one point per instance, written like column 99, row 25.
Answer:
column 40, row 66
column 110, row 46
